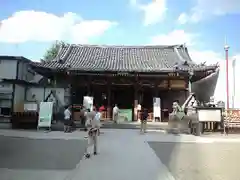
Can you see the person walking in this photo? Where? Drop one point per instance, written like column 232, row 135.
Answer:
column 115, row 113
column 93, row 125
column 67, row 119
column 144, row 116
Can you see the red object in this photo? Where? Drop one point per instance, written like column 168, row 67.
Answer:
column 227, row 83
column 102, row 108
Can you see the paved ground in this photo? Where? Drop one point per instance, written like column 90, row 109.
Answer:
column 105, row 125
column 40, row 154
column 124, row 154
column 188, row 161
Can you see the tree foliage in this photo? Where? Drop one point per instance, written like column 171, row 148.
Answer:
column 53, row 51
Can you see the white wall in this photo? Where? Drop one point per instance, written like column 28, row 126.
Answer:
column 5, row 103
column 6, row 95
column 24, row 72
column 6, row 88
column 40, row 95
column 19, row 96
column 8, row 69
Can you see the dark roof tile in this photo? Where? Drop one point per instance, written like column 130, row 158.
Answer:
column 122, row 58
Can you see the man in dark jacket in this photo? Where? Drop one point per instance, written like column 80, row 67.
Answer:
column 83, row 117
column 144, row 116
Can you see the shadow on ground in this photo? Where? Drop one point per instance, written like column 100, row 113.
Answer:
column 44, row 154
column 188, row 161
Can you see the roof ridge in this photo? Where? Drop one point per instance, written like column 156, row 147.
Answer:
column 125, row 46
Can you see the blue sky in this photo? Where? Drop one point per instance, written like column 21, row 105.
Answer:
column 130, row 27
column 29, row 27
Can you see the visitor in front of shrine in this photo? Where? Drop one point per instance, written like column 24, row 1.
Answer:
column 93, row 125
column 144, row 116
column 176, row 107
column 83, row 117
column 98, row 119
column 67, row 119
column 115, row 113
column 102, row 108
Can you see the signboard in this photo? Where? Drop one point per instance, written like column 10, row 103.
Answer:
column 232, row 114
column 45, row 114
column 88, row 102
column 125, row 115
column 209, row 115
column 181, row 84
column 30, row 107
column 156, row 107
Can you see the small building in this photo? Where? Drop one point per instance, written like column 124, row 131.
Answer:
column 128, row 75
column 15, row 75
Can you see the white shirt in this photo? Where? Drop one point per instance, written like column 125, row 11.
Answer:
column 67, row 114
column 139, row 107
column 92, row 120
column 98, row 116
column 115, row 110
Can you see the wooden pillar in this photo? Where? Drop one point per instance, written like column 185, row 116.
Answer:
column 156, row 93
column 89, row 93
column 109, row 100
column 72, row 94
column 136, row 99
column 187, row 90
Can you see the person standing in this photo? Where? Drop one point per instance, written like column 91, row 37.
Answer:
column 67, row 119
column 92, row 133
column 83, row 117
column 115, row 113
column 144, row 116
column 98, row 119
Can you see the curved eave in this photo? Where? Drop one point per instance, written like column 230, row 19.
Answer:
column 43, row 70
column 205, row 87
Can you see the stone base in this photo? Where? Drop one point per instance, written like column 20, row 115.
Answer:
column 179, row 131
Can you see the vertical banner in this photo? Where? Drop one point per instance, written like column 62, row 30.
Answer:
column 135, row 110
column 189, row 86
column 45, row 114
column 88, row 102
column 157, row 108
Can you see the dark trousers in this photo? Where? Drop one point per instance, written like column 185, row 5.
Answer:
column 67, row 125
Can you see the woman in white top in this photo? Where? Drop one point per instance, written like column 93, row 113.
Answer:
column 98, row 119
column 93, row 125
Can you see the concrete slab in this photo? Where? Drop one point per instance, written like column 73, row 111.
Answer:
column 123, row 154
column 188, row 161
column 41, row 154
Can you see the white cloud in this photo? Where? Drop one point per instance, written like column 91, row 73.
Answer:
column 205, row 9
column 208, row 56
column 25, row 26
column 183, row 18
column 153, row 12
column 174, row 37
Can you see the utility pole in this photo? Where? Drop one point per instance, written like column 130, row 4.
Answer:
column 234, row 82
column 226, row 48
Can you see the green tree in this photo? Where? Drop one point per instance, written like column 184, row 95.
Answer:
column 53, row 51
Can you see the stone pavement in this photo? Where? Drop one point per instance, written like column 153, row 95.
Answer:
column 125, row 154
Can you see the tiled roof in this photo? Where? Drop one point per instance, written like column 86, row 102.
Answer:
column 122, row 58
